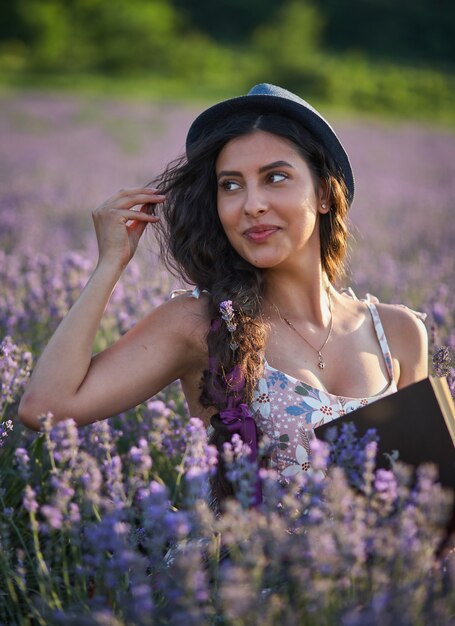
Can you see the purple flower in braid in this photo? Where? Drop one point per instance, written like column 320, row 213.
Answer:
column 235, row 417
column 228, row 316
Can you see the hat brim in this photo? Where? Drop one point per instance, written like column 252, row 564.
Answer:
column 304, row 114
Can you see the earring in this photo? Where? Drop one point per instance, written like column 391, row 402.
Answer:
column 323, row 205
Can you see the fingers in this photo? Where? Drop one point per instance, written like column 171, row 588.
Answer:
column 134, row 197
column 149, row 192
column 127, row 198
column 140, row 216
column 122, row 205
column 136, row 227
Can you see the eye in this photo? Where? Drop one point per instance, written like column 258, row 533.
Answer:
column 229, row 185
column 276, row 177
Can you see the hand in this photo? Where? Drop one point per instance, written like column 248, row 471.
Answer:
column 119, row 226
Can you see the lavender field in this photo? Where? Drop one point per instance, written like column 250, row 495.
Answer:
column 110, row 524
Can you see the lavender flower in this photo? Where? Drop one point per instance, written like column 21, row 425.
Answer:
column 240, row 471
column 442, row 361
column 53, row 516
column 199, row 461
column 23, row 461
column 4, row 430
column 228, row 315
column 64, row 442
column 140, row 456
column 29, row 500
column 15, row 367
column 351, row 453
column 110, row 538
column 386, row 488
column 319, row 454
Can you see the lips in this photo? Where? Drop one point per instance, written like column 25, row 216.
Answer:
column 260, row 232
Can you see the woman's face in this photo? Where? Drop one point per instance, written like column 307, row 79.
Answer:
column 268, row 202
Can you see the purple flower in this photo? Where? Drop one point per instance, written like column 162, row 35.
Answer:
column 385, row 485
column 4, row 430
column 91, row 478
column 140, row 456
column 22, row 457
column 142, row 599
column 442, row 361
column 356, row 456
column 74, row 513
column 314, row 547
column 64, row 442
column 29, row 500
column 112, row 468
column 199, row 456
column 53, row 516
column 240, row 470
column 319, row 454
column 15, row 368
column 228, row 315
column 439, row 313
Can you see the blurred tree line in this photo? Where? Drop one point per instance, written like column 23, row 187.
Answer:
column 408, row 30
column 371, row 54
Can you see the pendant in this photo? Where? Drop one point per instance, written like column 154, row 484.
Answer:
column 321, row 363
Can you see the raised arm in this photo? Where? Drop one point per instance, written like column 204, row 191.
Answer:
column 67, row 380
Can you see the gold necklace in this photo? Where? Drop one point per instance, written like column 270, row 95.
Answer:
column 321, row 362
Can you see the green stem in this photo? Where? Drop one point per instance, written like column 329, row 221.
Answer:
column 7, row 572
column 18, row 532
column 65, row 570
column 14, row 611
column 42, row 566
column 178, row 480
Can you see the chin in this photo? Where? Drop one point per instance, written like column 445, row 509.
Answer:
column 264, row 259
column 263, row 263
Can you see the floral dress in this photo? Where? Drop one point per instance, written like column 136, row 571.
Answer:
column 287, row 410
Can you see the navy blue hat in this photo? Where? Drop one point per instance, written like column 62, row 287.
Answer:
column 265, row 98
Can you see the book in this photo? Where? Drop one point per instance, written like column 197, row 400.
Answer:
column 417, row 421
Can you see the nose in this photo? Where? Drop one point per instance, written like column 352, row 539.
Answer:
column 254, row 203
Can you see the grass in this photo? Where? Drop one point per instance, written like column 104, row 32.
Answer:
column 344, row 86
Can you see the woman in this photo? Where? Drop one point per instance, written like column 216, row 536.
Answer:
column 255, row 218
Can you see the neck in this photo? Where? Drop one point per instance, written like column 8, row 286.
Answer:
column 299, row 297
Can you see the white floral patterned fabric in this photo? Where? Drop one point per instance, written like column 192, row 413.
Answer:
column 287, row 410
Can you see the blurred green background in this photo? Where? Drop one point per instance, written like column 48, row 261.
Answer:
column 386, row 57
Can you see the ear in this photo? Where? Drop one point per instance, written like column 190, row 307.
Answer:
column 323, row 197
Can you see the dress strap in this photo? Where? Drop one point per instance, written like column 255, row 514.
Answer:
column 381, row 338
column 191, row 293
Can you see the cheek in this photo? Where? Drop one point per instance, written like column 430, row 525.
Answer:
column 229, row 227
column 226, row 214
column 225, row 225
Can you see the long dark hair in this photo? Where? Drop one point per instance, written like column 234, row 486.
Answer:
column 193, row 245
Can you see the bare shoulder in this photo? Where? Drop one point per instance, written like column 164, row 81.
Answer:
column 185, row 317
column 408, row 341
column 401, row 325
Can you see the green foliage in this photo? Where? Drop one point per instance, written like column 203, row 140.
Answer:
column 356, row 84
column 286, row 47
column 408, row 31
column 289, row 42
column 229, row 21
column 125, row 37
column 167, row 47
column 98, row 35
column 116, row 37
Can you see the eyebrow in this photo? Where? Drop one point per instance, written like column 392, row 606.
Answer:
column 264, row 168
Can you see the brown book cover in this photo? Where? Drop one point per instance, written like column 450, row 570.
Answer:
column 417, row 421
